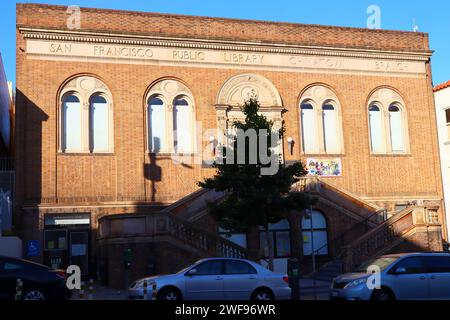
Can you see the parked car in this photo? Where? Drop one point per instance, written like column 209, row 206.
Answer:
column 39, row 282
column 217, row 279
column 413, row 276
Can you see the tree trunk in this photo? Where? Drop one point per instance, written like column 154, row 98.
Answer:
column 269, row 240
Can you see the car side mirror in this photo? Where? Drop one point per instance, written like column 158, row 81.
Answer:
column 400, row 270
column 191, row 272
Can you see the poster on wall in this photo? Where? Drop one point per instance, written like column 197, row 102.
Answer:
column 324, row 167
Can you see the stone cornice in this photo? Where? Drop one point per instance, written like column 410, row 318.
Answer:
column 140, row 40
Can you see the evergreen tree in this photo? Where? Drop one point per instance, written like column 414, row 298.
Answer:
column 253, row 199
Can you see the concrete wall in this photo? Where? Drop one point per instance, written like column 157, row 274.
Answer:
column 11, row 247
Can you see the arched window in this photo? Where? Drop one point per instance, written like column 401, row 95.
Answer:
column 99, row 122
column 156, row 125
column 71, row 124
column 315, row 237
column 321, row 125
column 330, row 128
column 376, row 128
column 170, row 118
column 90, row 129
column 182, row 126
column 396, row 129
column 387, row 122
column 308, row 122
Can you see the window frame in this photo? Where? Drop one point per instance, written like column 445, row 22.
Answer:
column 74, row 87
column 62, row 121
column 167, row 136
column 192, row 130
column 313, row 230
column 384, row 102
column 157, row 89
column 326, row 96
column 109, row 121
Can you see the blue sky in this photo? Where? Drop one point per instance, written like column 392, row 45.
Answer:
column 431, row 17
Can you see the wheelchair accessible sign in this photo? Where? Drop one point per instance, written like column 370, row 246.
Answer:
column 33, row 248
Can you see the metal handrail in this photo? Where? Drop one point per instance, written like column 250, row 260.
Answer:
column 343, row 234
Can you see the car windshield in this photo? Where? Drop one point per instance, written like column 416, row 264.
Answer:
column 382, row 263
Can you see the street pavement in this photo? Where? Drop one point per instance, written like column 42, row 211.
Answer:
column 307, row 291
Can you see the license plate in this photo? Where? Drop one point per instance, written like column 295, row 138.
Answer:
column 334, row 293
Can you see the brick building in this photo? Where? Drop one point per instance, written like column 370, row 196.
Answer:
column 104, row 105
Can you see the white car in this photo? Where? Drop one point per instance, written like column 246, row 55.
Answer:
column 216, row 279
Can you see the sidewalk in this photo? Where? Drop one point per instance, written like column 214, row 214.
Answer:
column 318, row 290
column 101, row 293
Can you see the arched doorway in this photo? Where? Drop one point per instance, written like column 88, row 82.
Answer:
column 315, row 234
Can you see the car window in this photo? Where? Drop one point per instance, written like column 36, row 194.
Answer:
column 412, row 265
column 438, row 264
column 238, row 267
column 209, row 268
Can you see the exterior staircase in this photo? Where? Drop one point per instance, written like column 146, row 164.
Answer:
column 403, row 232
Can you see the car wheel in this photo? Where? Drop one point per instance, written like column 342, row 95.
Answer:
column 262, row 295
column 382, row 295
column 169, row 294
column 34, row 294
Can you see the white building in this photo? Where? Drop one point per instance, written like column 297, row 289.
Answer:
column 442, row 98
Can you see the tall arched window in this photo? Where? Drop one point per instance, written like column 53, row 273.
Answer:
column 182, row 126
column 71, row 124
column 308, row 122
column 376, row 128
column 396, row 128
column 321, row 124
column 388, row 124
column 330, row 128
column 315, row 237
column 170, row 118
column 99, row 116
column 86, row 129
column 156, row 125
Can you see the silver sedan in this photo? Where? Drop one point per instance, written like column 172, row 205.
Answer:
column 216, row 279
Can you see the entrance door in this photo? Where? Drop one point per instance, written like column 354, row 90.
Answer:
column 79, row 250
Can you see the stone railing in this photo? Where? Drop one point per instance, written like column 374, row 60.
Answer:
column 388, row 234
column 162, row 225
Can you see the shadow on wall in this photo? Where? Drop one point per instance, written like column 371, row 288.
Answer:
column 28, row 164
column 152, row 171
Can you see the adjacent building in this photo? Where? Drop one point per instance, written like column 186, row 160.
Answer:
column 442, row 98
column 118, row 118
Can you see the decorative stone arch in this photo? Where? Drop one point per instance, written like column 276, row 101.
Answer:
column 245, row 86
column 384, row 98
column 84, row 87
column 236, row 90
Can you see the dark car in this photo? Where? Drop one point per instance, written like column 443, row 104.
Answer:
column 39, row 282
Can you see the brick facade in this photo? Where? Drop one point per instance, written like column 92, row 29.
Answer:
column 124, row 182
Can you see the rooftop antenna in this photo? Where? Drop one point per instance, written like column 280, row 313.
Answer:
column 415, row 26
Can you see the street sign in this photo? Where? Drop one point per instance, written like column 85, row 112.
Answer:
column 33, row 248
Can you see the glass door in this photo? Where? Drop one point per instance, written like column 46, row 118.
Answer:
column 79, row 250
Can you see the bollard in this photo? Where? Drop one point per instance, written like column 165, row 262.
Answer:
column 145, row 290
column 81, row 291
column 154, row 291
column 91, row 289
column 19, row 287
